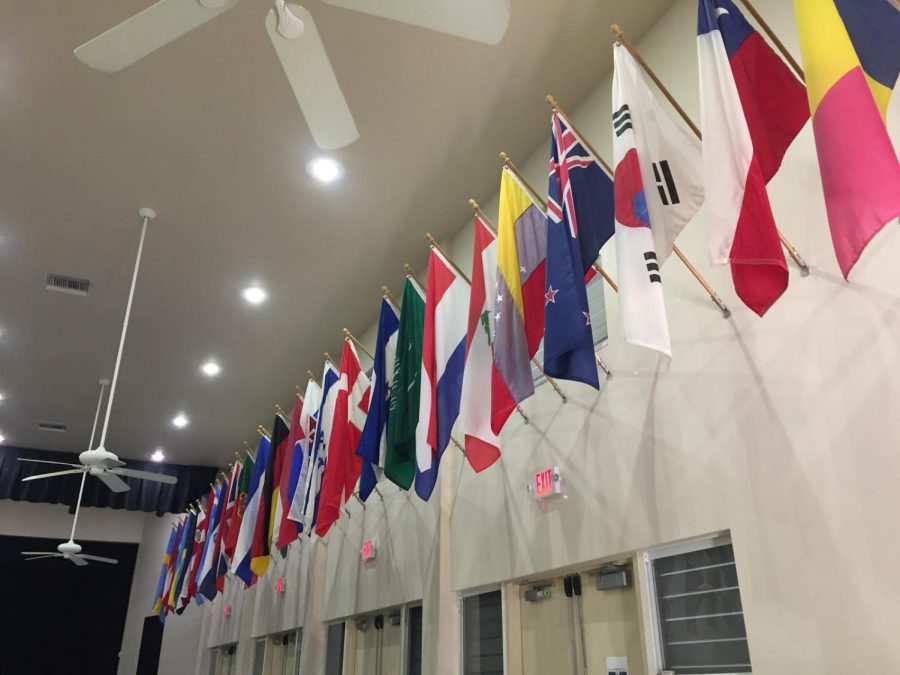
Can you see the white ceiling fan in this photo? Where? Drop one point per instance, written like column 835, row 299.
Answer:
column 297, row 43
column 99, row 461
column 69, row 549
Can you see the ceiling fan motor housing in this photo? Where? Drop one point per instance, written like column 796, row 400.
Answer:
column 69, row 547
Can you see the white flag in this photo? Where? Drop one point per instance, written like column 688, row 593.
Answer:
column 308, row 415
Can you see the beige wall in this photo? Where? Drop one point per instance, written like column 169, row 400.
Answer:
column 780, row 430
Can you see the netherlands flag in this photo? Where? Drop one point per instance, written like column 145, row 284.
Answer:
column 443, row 362
column 752, row 108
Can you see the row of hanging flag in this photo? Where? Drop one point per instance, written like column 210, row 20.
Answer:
column 439, row 354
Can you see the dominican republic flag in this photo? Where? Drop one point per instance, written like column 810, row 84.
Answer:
column 158, row 601
column 342, row 465
column 482, row 444
column 240, row 566
column 206, row 575
column 372, row 443
column 319, row 450
column 229, row 508
column 286, row 530
column 443, row 362
column 268, row 503
column 306, row 431
column 580, row 220
column 742, row 79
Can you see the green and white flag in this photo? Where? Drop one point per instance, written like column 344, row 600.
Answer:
column 400, row 452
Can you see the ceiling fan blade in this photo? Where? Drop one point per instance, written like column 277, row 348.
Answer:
column 44, row 461
column 480, row 20
column 312, row 79
column 41, row 553
column 45, row 555
column 143, row 33
column 147, row 475
column 54, row 473
column 97, row 558
column 111, row 463
column 77, row 559
column 113, row 482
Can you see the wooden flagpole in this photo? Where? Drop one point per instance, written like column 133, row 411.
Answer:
column 331, row 361
column 434, row 244
column 350, row 336
column 693, row 270
column 312, row 376
column 390, row 297
column 779, row 45
column 625, row 42
column 412, row 275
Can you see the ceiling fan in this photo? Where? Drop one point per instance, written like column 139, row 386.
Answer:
column 99, row 461
column 69, row 549
column 297, row 43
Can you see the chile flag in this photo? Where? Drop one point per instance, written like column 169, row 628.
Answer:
column 753, row 107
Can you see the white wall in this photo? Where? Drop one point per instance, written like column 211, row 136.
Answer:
column 779, row 429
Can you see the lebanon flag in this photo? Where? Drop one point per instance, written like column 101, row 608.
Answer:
column 482, row 444
column 443, row 361
column 744, row 85
column 286, row 530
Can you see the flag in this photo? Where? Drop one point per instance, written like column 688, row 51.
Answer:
column 481, row 443
column 372, row 442
column 400, row 448
column 320, row 445
column 859, row 168
column 206, row 575
column 342, row 465
column 223, row 561
column 306, row 434
column 183, row 566
column 580, row 220
column 163, row 571
column 443, row 362
column 240, row 565
column 519, row 314
column 170, row 570
column 742, row 79
column 199, row 543
column 188, row 589
column 873, row 27
column 641, row 300
column 268, row 502
column 230, row 538
column 286, row 530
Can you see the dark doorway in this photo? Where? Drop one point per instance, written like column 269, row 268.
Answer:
column 151, row 643
column 61, row 618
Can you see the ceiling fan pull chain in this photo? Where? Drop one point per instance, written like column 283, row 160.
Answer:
column 147, row 215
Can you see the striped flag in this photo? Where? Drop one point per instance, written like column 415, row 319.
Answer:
column 206, row 575
column 320, row 445
column 443, row 362
column 158, row 600
column 519, row 306
column 482, row 444
column 226, row 522
column 240, row 566
column 306, row 433
column 859, row 168
column 183, row 567
column 268, row 502
column 286, row 530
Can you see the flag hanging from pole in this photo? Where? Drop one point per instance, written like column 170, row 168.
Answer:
column 229, row 543
column 372, row 442
column 305, row 436
column 268, row 503
column 519, row 305
column 320, row 445
column 158, row 601
column 286, row 530
column 742, row 79
column 240, row 565
column 342, row 465
column 580, row 220
column 206, row 576
column 229, row 508
column 183, row 567
column 859, row 168
column 482, row 444
column 170, row 570
column 400, row 449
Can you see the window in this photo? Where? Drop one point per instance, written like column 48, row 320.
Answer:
column 223, row 660
column 334, row 649
column 700, row 620
column 597, row 307
column 259, row 656
column 414, row 640
column 483, row 634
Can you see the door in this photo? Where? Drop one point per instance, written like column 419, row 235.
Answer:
column 612, row 626
column 151, row 643
column 548, row 632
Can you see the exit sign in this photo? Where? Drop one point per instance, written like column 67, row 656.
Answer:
column 226, row 610
column 546, row 483
column 279, row 585
column 368, row 550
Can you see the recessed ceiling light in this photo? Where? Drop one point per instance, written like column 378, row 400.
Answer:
column 180, row 420
column 211, row 368
column 325, row 169
column 158, row 455
column 255, row 295
column 2, row 438
column 2, row 397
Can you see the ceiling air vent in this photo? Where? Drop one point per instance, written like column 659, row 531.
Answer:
column 55, row 427
column 63, row 284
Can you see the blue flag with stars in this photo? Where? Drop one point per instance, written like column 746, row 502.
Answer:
column 580, row 219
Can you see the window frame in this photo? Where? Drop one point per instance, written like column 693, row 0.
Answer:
column 328, row 626
column 404, row 637
column 460, row 607
column 651, row 595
